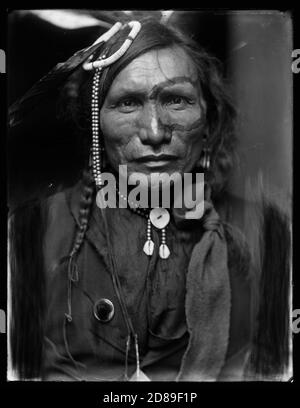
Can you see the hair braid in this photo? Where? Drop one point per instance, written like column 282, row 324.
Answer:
column 86, row 201
column 84, row 212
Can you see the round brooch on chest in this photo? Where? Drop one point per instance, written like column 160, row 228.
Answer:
column 104, row 310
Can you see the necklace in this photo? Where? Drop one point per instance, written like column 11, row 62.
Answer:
column 159, row 218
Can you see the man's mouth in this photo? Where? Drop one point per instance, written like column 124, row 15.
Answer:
column 156, row 160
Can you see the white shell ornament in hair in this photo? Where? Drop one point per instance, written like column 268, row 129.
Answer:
column 101, row 63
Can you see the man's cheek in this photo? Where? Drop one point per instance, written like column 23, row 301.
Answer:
column 114, row 156
column 120, row 132
column 187, row 142
column 189, row 146
column 119, row 151
column 185, row 121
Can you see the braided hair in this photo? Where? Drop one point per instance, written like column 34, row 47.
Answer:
column 85, row 204
column 86, row 201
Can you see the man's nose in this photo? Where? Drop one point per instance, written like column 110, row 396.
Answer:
column 152, row 131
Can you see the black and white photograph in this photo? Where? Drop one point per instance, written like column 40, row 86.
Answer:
column 149, row 195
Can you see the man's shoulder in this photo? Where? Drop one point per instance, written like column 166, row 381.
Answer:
column 52, row 199
column 244, row 212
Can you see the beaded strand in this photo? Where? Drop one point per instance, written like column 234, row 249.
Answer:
column 96, row 150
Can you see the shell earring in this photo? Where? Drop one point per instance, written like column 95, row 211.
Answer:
column 204, row 160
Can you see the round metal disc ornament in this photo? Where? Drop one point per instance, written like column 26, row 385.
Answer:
column 159, row 217
column 104, row 310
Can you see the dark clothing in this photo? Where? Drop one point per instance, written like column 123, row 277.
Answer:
column 154, row 290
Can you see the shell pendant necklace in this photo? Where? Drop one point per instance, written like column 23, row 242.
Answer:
column 158, row 217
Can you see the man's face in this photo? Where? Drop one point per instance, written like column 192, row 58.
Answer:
column 152, row 119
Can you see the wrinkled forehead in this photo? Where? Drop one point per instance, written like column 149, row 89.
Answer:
column 160, row 66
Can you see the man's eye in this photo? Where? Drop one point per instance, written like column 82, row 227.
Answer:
column 128, row 104
column 176, row 102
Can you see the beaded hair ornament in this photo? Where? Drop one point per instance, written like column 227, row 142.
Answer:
column 159, row 217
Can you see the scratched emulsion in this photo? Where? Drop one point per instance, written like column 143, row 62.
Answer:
column 2, row 62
